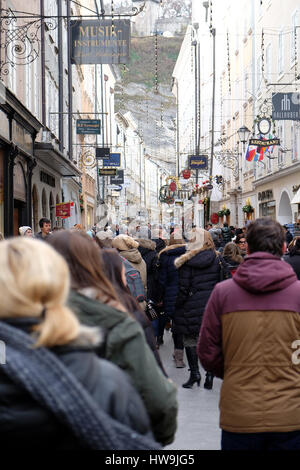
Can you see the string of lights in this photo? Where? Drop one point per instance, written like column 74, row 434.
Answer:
column 228, row 64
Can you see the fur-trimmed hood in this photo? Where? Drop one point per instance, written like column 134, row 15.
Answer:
column 146, row 244
column 124, row 243
column 196, row 258
column 170, row 249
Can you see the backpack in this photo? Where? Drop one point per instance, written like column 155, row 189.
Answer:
column 134, row 282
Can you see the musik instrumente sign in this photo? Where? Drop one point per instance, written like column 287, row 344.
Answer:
column 100, row 41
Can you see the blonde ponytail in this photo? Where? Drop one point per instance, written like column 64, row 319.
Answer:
column 34, row 279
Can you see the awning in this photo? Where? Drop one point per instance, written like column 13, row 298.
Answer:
column 55, row 159
column 296, row 198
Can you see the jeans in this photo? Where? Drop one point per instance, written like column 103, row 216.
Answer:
column 261, row 441
column 159, row 325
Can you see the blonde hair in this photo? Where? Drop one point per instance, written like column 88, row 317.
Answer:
column 34, row 281
column 201, row 240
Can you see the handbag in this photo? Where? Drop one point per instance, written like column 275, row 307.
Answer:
column 152, row 311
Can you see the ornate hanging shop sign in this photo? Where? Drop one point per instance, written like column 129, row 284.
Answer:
column 264, row 142
column 198, row 162
column 286, row 106
column 20, row 43
column 100, row 41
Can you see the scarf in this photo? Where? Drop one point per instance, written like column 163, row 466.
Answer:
column 49, row 382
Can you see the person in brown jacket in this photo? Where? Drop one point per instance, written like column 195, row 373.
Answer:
column 250, row 338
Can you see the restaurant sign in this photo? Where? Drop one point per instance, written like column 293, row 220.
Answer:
column 100, row 41
column 264, row 142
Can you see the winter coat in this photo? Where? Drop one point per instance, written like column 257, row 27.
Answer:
column 294, row 261
column 168, row 276
column 232, row 265
column 160, row 244
column 147, row 248
column 128, row 248
column 199, row 272
column 25, row 424
column 127, row 348
column 247, row 335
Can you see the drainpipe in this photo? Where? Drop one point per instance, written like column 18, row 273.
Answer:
column 70, row 85
column 60, row 78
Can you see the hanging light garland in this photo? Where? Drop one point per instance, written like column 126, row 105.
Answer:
column 211, row 16
column 112, row 15
column 228, row 64
column 156, row 62
column 124, row 71
column 162, row 114
column 263, row 55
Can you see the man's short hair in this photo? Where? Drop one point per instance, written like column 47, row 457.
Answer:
column 209, row 225
column 266, row 235
column 43, row 221
column 225, row 224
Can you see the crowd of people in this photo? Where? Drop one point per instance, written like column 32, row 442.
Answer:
column 87, row 311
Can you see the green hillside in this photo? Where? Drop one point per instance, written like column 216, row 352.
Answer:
column 141, row 68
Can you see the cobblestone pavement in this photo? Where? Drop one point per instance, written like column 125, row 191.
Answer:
column 198, row 417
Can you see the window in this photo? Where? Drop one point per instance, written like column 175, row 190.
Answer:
column 12, row 69
column 269, row 63
column 246, row 85
column 258, row 73
column 295, row 135
column 295, row 33
column 280, row 53
column 281, row 137
column 28, row 85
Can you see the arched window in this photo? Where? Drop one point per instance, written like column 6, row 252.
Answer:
column 35, row 209
column 44, row 204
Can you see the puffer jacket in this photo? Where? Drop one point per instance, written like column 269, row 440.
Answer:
column 128, row 248
column 199, row 272
column 127, row 348
column 147, row 248
column 168, row 276
column 294, row 260
column 24, row 424
column 248, row 336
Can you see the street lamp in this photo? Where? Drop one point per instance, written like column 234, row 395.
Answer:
column 244, row 134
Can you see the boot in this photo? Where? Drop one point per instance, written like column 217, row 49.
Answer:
column 195, row 376
column 208, row 384
column 178, row 356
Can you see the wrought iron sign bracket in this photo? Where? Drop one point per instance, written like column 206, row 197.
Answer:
column 21, row 36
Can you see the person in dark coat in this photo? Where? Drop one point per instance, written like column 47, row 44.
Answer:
column 293, row 256
column 288, row 235
column 147, row 248
column 95, row 302
column 115, row 272
column 227, row 234
column 168, row 280
column 40, row 276
column 200, row 269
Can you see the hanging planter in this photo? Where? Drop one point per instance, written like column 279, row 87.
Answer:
column 248, row 209
column 220, row 213
column 226, row 212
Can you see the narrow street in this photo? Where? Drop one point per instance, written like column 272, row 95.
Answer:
column 198, row 417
